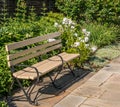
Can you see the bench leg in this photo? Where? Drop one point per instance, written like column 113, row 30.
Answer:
column 54, row 79
column 28, row 92
column 53, row 82
column 70, row 69
column 59, row 69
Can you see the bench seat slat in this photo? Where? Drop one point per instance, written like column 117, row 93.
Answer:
column 44, row 66
column 36, row 65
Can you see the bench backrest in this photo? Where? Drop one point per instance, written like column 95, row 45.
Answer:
column 19, row 52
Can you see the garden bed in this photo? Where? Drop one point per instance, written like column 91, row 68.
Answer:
column 104, row 55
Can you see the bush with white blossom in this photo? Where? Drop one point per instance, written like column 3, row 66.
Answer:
column 75, row 39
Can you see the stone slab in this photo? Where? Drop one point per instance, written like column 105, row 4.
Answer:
column 100, row 77
column 93, row 102
column 71, row 101
column 86, row 106
column 113, row 83
column 88, row 91
column 112, row 67
column 111, row 96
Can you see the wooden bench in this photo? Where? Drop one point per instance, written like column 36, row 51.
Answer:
column 23, row 51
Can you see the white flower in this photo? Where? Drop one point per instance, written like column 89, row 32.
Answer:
column 82, row 40
column 87, row 45
column 72, row 27
column 60, row 26
column 87, row 33
column 51, row 40
column 76, row 44
column 73, row 23
column 70, row 21
column 84, row 30
column 86, row 39
column 94, row 48
column 28, row 35
column 65, row 21
column 56, row 24
column 76, row 34
column 79, row 38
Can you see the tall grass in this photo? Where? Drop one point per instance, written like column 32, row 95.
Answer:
column 101, row 35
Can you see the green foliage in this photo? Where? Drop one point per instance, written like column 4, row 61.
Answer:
column 73, row 39
column 46, row 23
column 44, row 9
column 21, row 11
column 3, row 104
column 32, row 15
column 5, row 76
column 72, row 8
column 101, row 35
column 4, row 13
column 104, row 11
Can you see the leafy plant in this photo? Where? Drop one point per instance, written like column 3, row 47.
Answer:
column 4, row 13
column 104, row 11
column 101, row 35
column 3, row 104
column 72, row 8
column 5, row 75
column 74, row 40
column 21, row 11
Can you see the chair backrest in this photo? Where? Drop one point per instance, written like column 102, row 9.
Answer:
column 24, row 50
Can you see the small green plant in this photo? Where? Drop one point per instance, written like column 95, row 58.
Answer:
column 21, row 11
column 44, row 9
column 32, row 15
column 3, row 104
column 4, row 13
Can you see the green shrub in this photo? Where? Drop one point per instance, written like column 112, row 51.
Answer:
column 73, row 39
column 5, row 75
column 72, row 8
column 104, row 11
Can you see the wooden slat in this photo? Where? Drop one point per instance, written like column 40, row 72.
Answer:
column 44, row 66
column 16, row 61
column 70, row 56
column 31, row 50
column 31, row 41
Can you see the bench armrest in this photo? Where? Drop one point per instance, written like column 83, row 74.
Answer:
column 60, row 58
column 22, row 65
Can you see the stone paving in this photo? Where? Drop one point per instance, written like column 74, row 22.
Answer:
column 101, row 90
